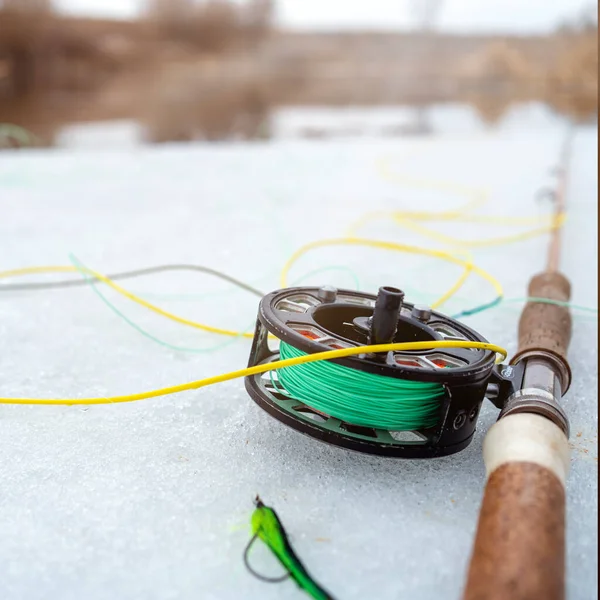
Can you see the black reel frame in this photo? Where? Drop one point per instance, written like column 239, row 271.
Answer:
column 320, row 319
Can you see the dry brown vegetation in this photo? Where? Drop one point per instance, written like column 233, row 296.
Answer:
column 573, row 82
column 40, row 50
column 568, row 82
column 208, row 106
column 213, row 25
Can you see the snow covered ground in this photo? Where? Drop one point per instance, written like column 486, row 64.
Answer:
column 151, row 500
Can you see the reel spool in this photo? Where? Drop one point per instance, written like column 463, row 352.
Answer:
column 311, row 320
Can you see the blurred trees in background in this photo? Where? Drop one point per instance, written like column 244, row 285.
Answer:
column 211, row 69
column 38, row 7
column 39, row 50
column 43, row 50
column 212, row 25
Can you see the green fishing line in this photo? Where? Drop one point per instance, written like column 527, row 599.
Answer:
column 267, row 527
column 570, row 305
column 360, row 398
column 93, row 284
column 501, row 301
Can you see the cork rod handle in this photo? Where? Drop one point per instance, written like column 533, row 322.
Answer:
column 519, row 551
column 544, row 326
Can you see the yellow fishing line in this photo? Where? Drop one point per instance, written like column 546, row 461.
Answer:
column 478, row 197
column 495, row 241
column 499, row 220
column 127, row 294
column 273, row 366
column 469, row 266
column 547, row 222
column 466, row 264
column 36, row 270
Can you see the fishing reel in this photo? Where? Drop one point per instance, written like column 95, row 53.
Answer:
column 315, row 320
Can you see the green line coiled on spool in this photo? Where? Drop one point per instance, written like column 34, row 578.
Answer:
column 360, row 398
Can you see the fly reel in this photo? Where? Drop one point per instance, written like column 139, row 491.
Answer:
column 311, row 320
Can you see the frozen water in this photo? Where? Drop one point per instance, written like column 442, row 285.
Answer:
column 151, row 500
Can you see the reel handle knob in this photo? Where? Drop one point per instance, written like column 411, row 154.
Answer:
column 385, row 315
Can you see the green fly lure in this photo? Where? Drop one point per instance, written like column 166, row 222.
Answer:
column 267, row 527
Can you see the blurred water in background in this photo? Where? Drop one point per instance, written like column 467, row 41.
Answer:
column 338, row 122
column 217, row 70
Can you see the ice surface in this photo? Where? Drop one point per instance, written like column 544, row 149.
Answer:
column 151, row 500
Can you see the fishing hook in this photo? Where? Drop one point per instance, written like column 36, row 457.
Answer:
column 253, row 572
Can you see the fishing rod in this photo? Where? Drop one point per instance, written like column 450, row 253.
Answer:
column 519, row 548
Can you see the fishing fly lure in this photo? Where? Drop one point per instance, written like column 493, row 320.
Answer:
column 267, row 527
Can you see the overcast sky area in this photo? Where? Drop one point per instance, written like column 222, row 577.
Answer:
column 519, row 16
